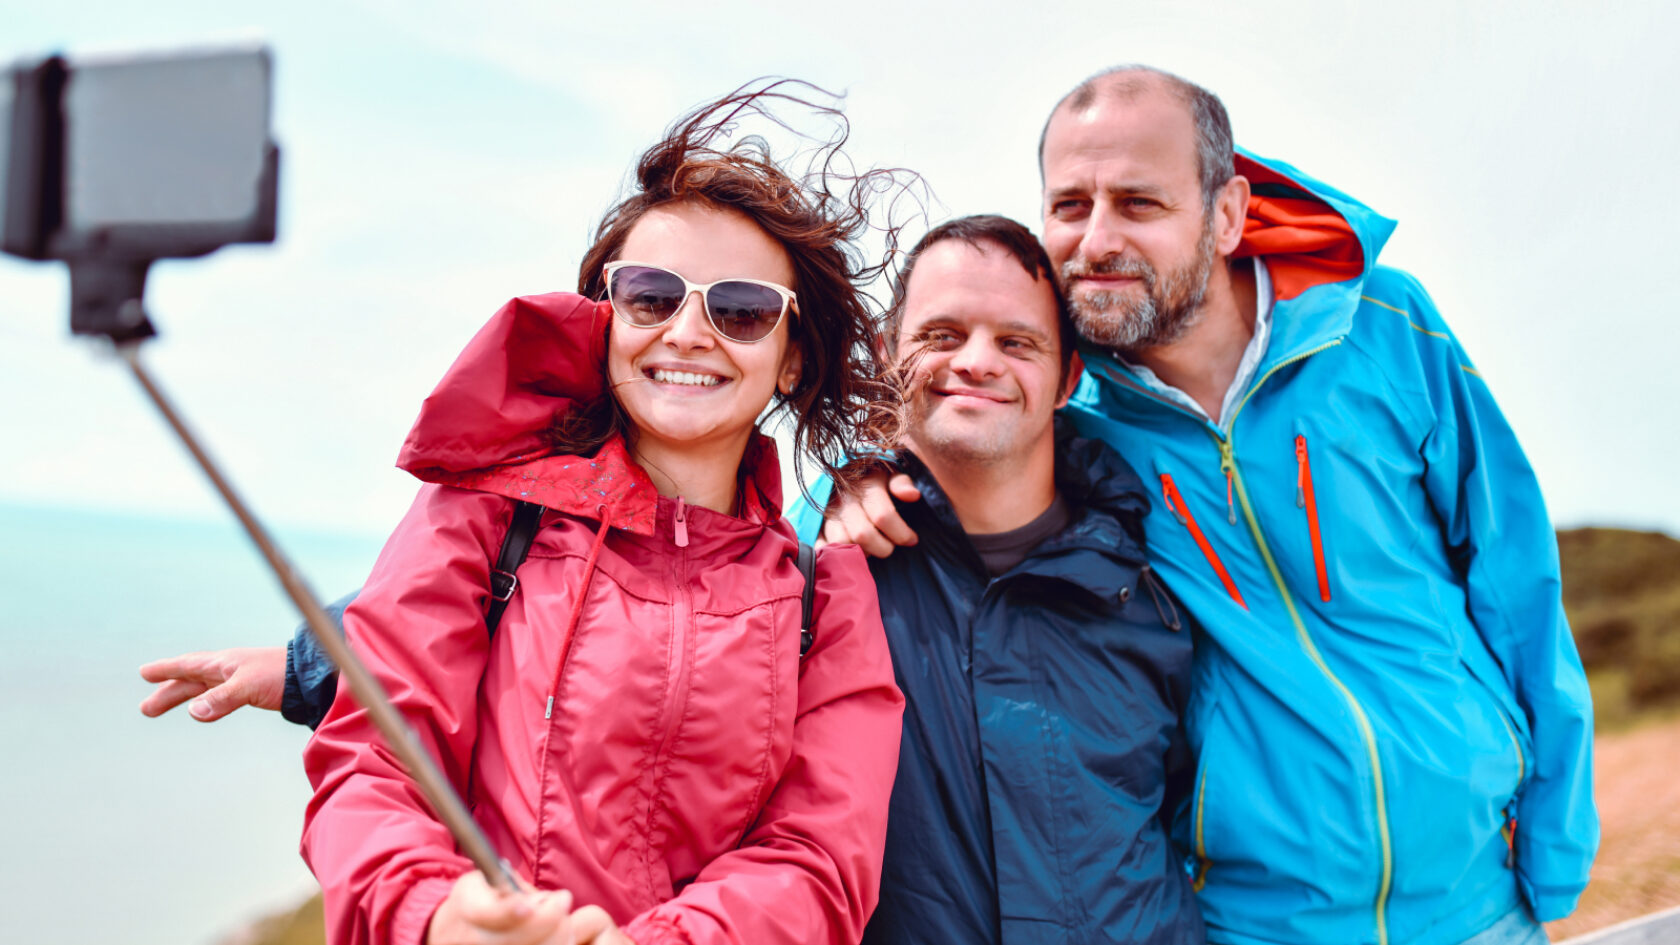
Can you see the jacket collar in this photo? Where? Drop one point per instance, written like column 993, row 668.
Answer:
column 1100, row 550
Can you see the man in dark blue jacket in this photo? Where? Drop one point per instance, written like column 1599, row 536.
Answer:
column 1044, row 667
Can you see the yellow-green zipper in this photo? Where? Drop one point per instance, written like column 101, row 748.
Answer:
column 1499, row 710
column 1228, row 463
column 1201, row 844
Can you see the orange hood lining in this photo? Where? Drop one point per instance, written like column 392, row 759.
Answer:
column 1305, row 241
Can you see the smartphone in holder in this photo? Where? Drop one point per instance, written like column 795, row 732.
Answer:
column 109, row 163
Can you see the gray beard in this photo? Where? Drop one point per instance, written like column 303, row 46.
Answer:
column 1168, row 309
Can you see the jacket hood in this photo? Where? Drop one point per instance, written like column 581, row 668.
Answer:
column 1311, row 236
column 1309, row 233
column 484, row 427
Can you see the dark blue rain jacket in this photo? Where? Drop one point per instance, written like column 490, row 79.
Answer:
column 1043, row 753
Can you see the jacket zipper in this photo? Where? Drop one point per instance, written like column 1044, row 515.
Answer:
column 676, row 699
column 1202, row 861
column 1510, row 730
column 1366, row 732
column 1304, row 500
column 1509, row 830
column 1180, row 511
column 1363, row 722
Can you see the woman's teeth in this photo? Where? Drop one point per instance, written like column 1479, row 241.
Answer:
column 684, row 377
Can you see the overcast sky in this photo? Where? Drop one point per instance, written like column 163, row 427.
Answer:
column 440, row 158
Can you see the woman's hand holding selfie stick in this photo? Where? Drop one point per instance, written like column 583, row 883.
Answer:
column 474, row 913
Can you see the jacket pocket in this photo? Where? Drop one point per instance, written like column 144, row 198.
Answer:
column 1513, row 732
column 1181, row 511
column 1514, row 735
column 1306, row 501
column 1207, row 767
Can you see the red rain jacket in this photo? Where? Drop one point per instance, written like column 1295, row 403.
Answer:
column 694, row 776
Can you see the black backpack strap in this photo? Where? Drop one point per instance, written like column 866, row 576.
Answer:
column 504, row 580
column 807, row 600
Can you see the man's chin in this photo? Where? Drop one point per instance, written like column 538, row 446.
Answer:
column 958, row 438
column 1108, row 326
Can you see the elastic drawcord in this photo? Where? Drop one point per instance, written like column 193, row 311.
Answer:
column 577, row 604
column 1158, row 593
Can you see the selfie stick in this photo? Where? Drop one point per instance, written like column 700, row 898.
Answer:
column 367, row 690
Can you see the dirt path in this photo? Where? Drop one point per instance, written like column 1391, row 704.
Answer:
column 1637, row 780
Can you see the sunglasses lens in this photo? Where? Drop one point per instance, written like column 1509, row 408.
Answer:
column 743, row 311
column 644, row 296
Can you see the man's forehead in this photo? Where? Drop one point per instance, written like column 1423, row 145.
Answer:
column 1149, row 135
column 958, row 282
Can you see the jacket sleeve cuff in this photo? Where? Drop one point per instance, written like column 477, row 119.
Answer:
column 311, row 680
column 414, row 916
column 291, row 697
column 311, row 677
column 1550, row 903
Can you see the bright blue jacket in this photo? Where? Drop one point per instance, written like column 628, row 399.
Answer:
column 1386, row 685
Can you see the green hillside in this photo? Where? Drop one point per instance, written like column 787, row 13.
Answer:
column 1622, row 591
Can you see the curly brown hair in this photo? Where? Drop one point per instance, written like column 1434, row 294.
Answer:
column 843, row 404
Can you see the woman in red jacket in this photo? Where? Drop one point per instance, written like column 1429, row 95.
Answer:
column 641, row 740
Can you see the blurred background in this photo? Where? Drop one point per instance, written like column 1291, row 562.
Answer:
column 439, row 158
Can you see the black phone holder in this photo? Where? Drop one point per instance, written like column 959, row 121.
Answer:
column 111, row 165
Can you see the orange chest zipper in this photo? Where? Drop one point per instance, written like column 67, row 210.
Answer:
column 1304, row 500
column 1180, row 511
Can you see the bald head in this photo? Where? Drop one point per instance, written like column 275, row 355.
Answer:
column 1214, row 153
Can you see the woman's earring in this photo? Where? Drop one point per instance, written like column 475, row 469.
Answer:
column 791, row 375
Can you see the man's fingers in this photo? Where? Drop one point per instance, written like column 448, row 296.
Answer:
column 851, row 524
column 218, row 701
column 185, row 666
column 168, row 696
column 868, row 517
column 883, row 516
column 903, row 488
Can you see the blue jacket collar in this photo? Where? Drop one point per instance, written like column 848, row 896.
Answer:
column 1100, row 550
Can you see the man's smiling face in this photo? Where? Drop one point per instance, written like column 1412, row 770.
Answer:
column 979, row 336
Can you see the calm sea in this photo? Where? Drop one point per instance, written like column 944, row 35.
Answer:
column 119, row 828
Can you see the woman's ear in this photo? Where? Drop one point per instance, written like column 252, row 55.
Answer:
column 793, row 369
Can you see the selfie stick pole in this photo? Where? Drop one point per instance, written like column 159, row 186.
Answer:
column 439, row 794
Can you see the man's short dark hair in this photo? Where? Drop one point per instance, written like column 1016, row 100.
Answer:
column 1215, row 154
column 985, row 231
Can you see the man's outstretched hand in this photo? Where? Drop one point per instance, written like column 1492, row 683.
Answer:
column 868, row 519
column 221, row 681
